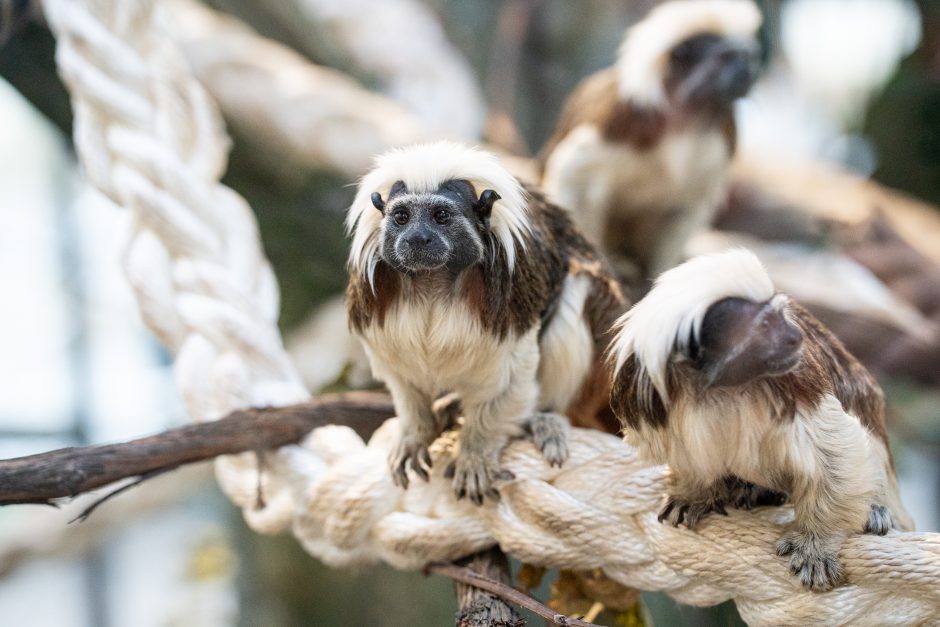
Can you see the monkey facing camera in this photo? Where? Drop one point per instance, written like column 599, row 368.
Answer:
column 751, row 401
column 466, row 285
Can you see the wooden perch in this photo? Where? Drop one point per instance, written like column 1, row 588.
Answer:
column 477, row 607
column 466, row 575
column 70, row 471
column 67, row 472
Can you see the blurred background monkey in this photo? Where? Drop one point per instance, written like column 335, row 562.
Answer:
column 641, row 152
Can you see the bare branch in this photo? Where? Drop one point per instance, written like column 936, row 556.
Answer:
column 71, row 471
column 504, row 591
column 479, row 608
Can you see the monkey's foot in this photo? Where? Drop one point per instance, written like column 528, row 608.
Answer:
column 879, row 520
column 679, row 509
column 473, row 476
column 743, row 494
column 411, row 452
column 812, row 559
column 550, row 434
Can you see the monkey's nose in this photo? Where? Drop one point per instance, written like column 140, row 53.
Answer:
column 792, row 337
column 420, row 239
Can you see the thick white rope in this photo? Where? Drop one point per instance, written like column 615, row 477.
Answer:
column 308, row 115
column 151, row 140
column 402, row 43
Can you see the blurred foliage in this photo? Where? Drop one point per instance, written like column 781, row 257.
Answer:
column 281, row 585
column 903, row 122
column 27, row 62
column 300, row 216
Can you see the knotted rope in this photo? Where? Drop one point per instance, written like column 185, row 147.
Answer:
column 152, row 141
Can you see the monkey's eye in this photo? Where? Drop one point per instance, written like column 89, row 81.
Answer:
column 685, row 54
column 401, row 217
column 442, row 216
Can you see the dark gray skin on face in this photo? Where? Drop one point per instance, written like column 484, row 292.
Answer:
column 709, row 72
column 441, row 230
column 741, row 341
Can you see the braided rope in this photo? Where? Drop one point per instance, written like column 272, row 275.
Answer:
column 151, row 141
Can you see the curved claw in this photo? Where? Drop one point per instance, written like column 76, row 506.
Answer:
column 419, row 469
column 666, row 510
column 399, row 474
column 678, row 510
column 474, row 475
column 812, row 560
column 410, row 453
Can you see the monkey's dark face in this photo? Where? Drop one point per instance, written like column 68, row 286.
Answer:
column 440, row 230
column 741, row 341
column 709, row 72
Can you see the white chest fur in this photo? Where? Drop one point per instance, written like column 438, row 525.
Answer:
column 710, row 440
column 686, row 168
column 437, row 345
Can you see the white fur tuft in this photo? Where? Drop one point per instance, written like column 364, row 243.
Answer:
column 645, row 49
column 673, row 310
column 423, row 168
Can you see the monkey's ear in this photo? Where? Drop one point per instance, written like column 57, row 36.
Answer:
column 484, row 206
column 740, row 341
column 378, row 203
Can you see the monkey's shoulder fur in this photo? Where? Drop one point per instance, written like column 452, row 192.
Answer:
column 597, row 101
column 826, row 368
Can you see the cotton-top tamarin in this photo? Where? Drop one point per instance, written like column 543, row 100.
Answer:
column 464, row 282
column 640, row 154
column 747, row 397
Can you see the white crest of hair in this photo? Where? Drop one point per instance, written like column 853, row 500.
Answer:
column 644, row 53
column 423, row 168
column 673, row 310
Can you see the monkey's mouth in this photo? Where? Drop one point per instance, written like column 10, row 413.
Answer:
column 784, row 364
column 422, row 261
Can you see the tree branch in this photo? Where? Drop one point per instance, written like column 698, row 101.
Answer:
column 479, row 608
column 70, row 471
column 504, row 591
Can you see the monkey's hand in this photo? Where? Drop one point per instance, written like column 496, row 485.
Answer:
column 474, row 472
column 813, row 558
column 679, row 509
column 743, row 494
column 549, row 432
column 412, row 451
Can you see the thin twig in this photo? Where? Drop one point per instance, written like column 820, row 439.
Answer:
column 88, row 511
column 470, row 577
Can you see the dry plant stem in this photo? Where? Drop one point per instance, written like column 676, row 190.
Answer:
column 70, row 471
column 504, row 591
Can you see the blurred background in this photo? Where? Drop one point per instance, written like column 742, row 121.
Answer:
column 836, row 183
